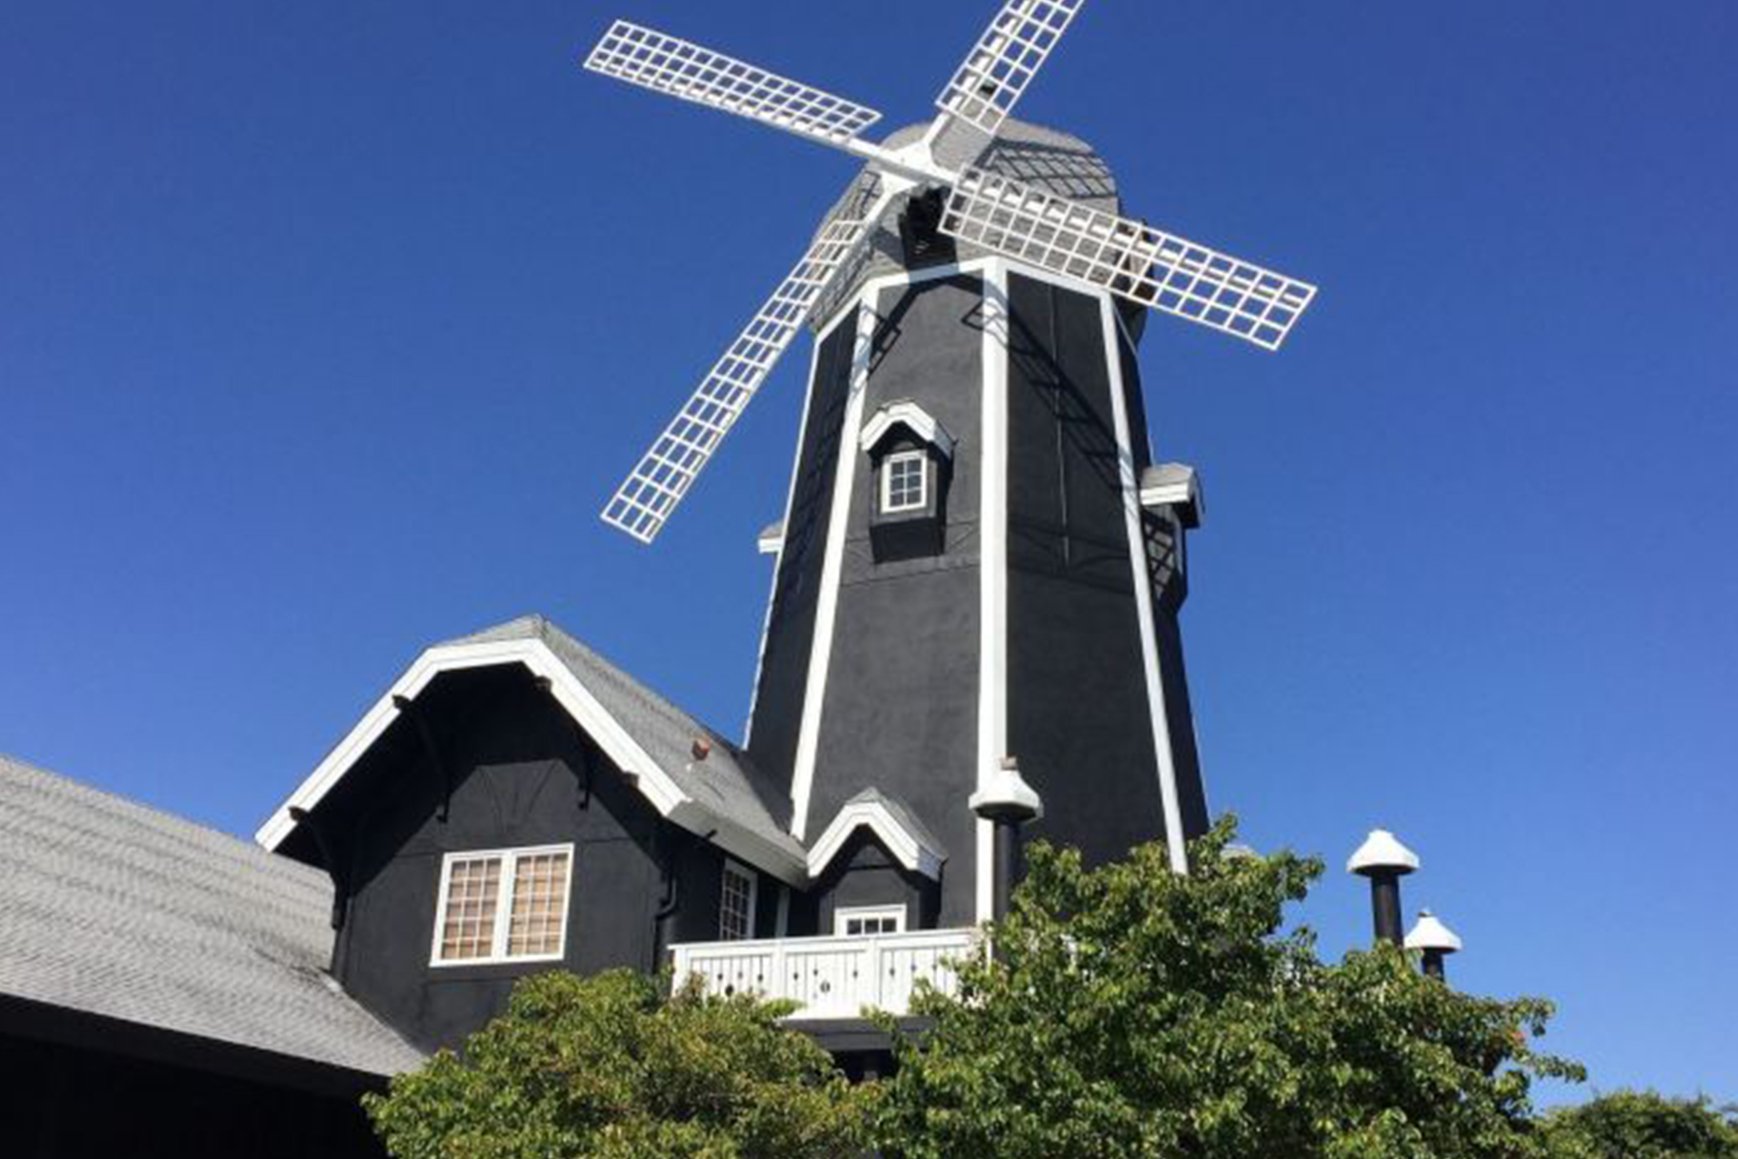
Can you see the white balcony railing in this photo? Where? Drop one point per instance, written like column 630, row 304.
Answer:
column 830, row 977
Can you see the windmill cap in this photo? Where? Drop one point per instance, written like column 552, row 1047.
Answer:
column 1428, row 933
column 1382, row 853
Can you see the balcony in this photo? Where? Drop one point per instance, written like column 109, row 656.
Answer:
column 834, row 977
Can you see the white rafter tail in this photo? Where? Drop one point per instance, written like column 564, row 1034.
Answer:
column 1133, row 260
column 995, row 73
column 679, row 68
column 657, row 484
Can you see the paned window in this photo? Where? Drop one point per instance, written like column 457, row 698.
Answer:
column 865, row 920
column 503, row 905
column 736, row 904
column 904, row 479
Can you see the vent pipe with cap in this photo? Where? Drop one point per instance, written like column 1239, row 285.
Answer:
column 1384, row 861
column 1437, row 942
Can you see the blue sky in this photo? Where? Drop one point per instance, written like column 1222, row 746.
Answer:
column 326, row 328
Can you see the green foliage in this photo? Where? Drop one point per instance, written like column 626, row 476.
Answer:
column 607, row 1066
column 1134, row 1012
column 1642, row 1125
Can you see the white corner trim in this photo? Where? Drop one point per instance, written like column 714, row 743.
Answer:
column 1162, row 752
column 623, row 750
column 992, row 573
column 900, row 841
column 907, row 413
column 832, row 567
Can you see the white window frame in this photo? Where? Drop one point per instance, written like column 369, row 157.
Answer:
column 887, row 465
column 844, row 914
column 742, row 873
column 503, row 906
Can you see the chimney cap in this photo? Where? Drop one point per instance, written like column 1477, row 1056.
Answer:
column 1382, row 853
column 1428, row 933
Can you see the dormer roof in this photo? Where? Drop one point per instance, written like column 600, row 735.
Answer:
column 907, row 414
column 892, row 822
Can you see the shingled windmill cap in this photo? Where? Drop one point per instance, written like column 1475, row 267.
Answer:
column 1382, row 853
column 1428, row 933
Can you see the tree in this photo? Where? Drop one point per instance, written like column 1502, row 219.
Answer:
column 1131, row 1011
column 1642, row 1125
column 608, row 1066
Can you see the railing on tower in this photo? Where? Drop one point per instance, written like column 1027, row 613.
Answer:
column 830, row 977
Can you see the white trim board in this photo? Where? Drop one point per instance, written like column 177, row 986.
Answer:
column 992, row 572
column 1164, row 758
column 644, row 773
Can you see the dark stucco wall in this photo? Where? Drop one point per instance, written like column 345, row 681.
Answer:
column 902, row 689
column 519, row 775
column 784, row 669
column 865, row 873
column 1078, row 714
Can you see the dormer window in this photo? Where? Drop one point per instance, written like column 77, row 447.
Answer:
column 904, row 482
column 910, row 456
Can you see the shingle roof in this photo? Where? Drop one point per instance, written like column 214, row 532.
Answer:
column 112, row 908
column 726, row 782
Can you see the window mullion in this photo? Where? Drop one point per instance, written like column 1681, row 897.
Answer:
column 504, row 905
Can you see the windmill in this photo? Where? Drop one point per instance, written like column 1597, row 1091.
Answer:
column 979, row 566
column 1141, row 264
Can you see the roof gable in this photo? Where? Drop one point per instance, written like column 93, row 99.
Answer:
column 721, row 797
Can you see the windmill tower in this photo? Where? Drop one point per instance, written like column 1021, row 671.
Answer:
column 978, row 559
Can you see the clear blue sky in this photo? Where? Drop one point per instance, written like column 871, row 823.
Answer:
column 325, row 329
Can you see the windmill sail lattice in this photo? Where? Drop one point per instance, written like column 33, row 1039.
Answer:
column 1145, row 265
column 994, row 75
column 680, row 68
column 645, row 499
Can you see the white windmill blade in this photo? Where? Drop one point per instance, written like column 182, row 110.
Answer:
column 680, row 68
column 651, row 491
column 1129, row 258
column 995, row 73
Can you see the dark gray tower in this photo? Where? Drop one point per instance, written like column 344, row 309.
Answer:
column 968, row 568
column 978, row 558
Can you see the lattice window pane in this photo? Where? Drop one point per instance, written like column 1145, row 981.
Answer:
column 468, row 921
column 539, row 912
column 903, row 484
column 736, row 906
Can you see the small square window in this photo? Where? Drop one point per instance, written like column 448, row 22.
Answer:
column 904, row 482
column 503, row 905
column 868, row 920
column 736, row 904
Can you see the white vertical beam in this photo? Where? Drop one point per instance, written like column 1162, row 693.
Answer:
column 832, row 568
column 992, row 568
column 1131, row 503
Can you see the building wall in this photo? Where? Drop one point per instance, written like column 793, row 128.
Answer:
column 784, row 665
column 72, row 1101
column 519, row 770
column 900, row 712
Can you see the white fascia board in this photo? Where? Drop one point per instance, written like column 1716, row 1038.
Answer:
column 900, row 841
column 922, row 424
column 643, row 772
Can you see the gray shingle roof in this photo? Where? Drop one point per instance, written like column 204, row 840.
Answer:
column 115, row 909
column 726, row 783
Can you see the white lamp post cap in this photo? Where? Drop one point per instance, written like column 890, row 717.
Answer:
column 1005, row 794
column 1382, row 853
column 1430, row 934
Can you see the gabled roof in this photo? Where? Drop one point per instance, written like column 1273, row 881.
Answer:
column 893, row 823
column 650, row 739
column 905, row 413
column 114, row 909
